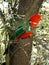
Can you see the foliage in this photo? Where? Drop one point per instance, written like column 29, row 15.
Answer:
column 40, row 53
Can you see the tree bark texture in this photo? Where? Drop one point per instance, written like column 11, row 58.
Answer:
column 24, row 6
column 21, row 53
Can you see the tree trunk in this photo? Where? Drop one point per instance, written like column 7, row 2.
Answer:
column 29, row 7
column 24, row 6
column 22, row 52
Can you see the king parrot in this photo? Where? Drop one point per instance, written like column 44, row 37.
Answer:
column 20, row 32
column 33, row 22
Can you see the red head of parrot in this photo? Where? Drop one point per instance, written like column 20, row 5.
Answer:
column 25, row 35
column 35, row 19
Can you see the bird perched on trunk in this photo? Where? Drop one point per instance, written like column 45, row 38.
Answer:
column 20, row 32
column 33, row 22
